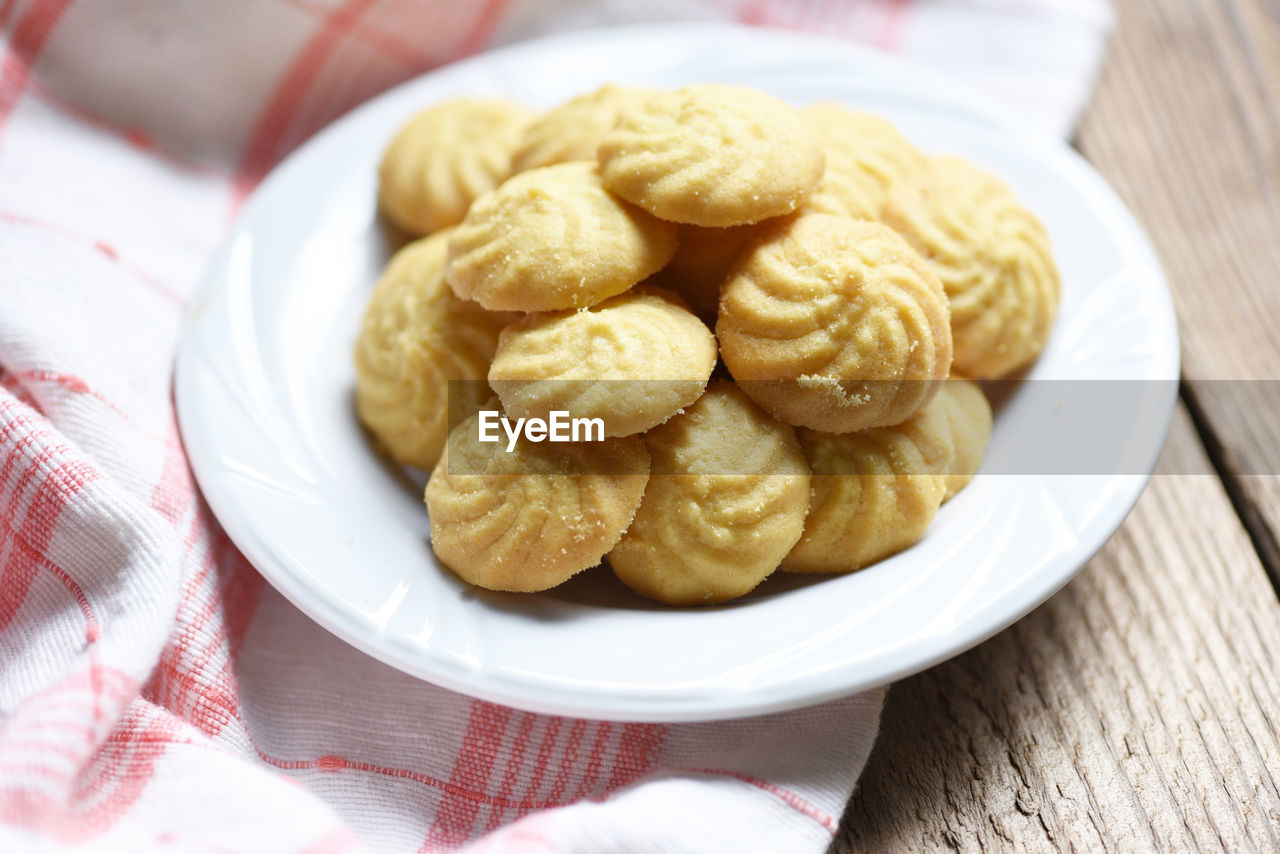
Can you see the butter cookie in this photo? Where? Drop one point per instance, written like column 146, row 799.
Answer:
column 531, row 518
column 874, row 492
column 554, row 238
column 415, row 338
column 712, row 155
column 445, row 157
column 834, row 324
column 633, row 361
column 994, row 259
column 725, row 501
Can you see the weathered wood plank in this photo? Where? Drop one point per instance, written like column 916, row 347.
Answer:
column 1135, row 710
column 1186, row 126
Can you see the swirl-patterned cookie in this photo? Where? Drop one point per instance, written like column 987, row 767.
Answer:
column 712, row 155
column 531, row 518
column 874, row 492
column 573, row 130
column 445, row 157
column 994, row 259
column 554, row 238
column 725, row 502
column 633, row 361
column 867, row 158
column 415, row 338
column 701, row 264
column 969, row 416
column 835, row 325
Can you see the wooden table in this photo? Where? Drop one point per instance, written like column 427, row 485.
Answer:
column 1138, row 708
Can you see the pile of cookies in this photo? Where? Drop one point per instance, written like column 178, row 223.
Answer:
column 768, row 311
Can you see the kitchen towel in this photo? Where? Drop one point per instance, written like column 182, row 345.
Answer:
column 155, row 693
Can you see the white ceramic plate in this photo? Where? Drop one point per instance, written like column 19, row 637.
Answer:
column 264, row 390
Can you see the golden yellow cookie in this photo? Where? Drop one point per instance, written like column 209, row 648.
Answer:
column 874, row 492
column 834, row 324
column 701, row 264
column 994, row 259
column 632, row 361
column 712, row 155
column 530, row 518
column 445, row 157
column 573, row 130
column 416, row 337
column 969, row 416
column 726, row 500
column 867, row 157
column 553, row 238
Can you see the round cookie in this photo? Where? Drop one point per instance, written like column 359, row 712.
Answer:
column 726, row 500
column 530, row 519
column 445, row 157
column 701, row 264
column 867, row 158
column 633, row 361
column 874, row 492
column 415, row 338
column 712, row 155
column 969, row 416
column 553, row 238
column 994, row 259
column 834, row 324
column 573, row 130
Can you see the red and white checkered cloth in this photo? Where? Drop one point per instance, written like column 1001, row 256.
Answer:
column 153, row 690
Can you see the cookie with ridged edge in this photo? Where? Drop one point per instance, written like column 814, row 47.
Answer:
column 994, row 259
column 969, row 416
column 725, row 501
column 701, row 264
column 874, row 492
column 446, row 156
column 417, row 336
column 553, row 238
column 712, row 155
column 573, row 130
column 633, row 361
column 867, row 158
column 834, row 324
column 532, row 518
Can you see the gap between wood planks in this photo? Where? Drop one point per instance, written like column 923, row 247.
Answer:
column 1261, row 535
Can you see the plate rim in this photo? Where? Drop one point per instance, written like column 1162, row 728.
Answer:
column 340, row 622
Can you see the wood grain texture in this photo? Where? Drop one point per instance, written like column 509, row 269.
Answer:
column 1186, row 125
column 1137, row 709
column 1134, row 711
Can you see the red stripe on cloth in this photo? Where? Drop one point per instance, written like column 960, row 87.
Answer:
column 594, row 761
column 787, row 796
column 890, row 36
column 515, row 764
column 60, row 485
column 638, row 752
column 135, row 137
column 568, row 760
column 456, row 816
column 485, row 24
column 92, row 630
column 388, row 43
column 545, row 749
column 754, row 13
column 277, row 115
column 101, row 246
column 26, row 40
column 76, row 385
column 5, row 11
column 20, row 393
